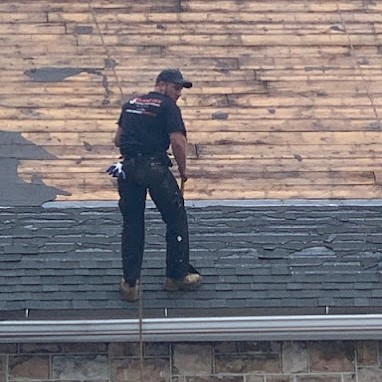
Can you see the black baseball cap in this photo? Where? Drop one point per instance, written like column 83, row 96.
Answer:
column 174, row 76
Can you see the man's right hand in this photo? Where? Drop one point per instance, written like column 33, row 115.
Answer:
column 183, row 176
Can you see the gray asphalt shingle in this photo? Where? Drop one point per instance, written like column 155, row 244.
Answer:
column 252, row 257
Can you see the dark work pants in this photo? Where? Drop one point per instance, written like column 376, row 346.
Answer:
column 152, row 174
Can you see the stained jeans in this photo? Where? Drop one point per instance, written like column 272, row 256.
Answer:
column 151, row 174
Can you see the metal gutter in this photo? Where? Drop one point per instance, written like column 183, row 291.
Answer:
column 242, row 203
column 275, row 328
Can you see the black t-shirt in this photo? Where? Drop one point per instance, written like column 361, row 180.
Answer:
column 147, row 122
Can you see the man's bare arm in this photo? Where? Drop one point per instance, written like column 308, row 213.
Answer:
column 179, row 148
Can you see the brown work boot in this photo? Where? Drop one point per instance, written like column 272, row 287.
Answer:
column 190, row 281
column 130, row 293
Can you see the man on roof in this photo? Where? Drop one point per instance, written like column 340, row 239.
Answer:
column 148, row 125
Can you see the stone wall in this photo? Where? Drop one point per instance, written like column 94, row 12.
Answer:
column 303, row 361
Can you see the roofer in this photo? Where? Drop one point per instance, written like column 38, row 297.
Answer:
column 147, row 126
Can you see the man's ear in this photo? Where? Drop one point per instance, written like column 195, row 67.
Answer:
column 161, row 87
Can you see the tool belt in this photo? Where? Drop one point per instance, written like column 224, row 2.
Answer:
column 162, row 158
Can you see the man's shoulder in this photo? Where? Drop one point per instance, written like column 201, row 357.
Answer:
column 151, row 98
column 159, row 97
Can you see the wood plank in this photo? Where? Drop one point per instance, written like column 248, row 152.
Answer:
column 99, row 100
column 87, row 100
column 218, row 191
column 207, row 74
column 205, row 189
column 64, row 88
column 74, row 50
column 41, row 6
column 82, row 6
column 200, row 113
column 59, row 113
column 98, row 63
column 256, row 181
column 32, row 29
column 315, row 40
column 228, row 63
column 214, row 77
column 261, row 183
column 89, row 76
column 22, row 40
column 275, row 5
column 22, row 17
column 274, row 125
column 299, row 152
column 62, row 168
column 224, row 138
column 83, row 151
column 138, row 5
column 264, row 51
column 68, row 138
column 29, row 63
column 228, row 39
column 99, row 87
column 317, row 87
column 336, row 61
column 227, row 16
column 95, row 165
column 207, row 192
column 263, row 28
column 253, row 100
column 248, row 165
column 90, row 171
column 324, row 73
column 68, row 125
column 206, row 113
column 286, row 138
column 235, row 125
column 302, row 112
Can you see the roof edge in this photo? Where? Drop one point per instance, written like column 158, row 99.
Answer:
column 265, row 328
column 240, row 203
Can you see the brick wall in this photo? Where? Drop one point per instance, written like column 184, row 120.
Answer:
column 315, row 361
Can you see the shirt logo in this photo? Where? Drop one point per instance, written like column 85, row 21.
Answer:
column 142, row 104
column 145, row 102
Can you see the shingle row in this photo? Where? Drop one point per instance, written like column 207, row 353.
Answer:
column 251, row 257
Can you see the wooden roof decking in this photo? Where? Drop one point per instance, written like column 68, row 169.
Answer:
column 286, row 100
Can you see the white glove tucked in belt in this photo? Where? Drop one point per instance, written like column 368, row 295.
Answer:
column 116, row 171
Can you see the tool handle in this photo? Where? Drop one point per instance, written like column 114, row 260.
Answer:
column 182, row 182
